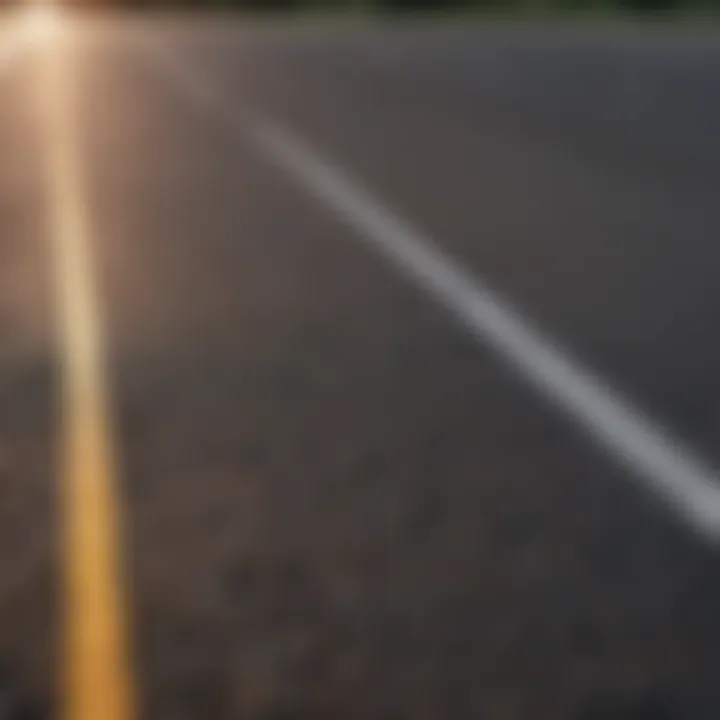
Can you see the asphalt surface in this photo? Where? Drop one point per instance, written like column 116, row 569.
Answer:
column 338, row 503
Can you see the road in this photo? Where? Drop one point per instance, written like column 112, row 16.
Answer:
column 403, row 344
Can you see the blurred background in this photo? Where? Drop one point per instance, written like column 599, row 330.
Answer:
column 359, row 360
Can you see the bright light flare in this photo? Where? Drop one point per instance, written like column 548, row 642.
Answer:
column 43, row 21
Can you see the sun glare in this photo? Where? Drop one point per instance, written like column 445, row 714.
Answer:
column 43, row 21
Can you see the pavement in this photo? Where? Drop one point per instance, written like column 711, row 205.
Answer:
column 410, row 357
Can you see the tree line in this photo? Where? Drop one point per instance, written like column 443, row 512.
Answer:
column 449, row 6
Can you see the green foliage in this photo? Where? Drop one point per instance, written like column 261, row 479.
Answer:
column 532, row 7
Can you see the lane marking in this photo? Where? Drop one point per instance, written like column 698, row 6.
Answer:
column 686, row 482
column 96, row 682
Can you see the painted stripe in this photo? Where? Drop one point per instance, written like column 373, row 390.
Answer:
column 690, row 486
column 686, row 482
column 96, row 682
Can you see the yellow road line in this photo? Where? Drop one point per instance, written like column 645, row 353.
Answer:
column 97, row 679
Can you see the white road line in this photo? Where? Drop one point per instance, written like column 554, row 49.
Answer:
column 692, row 488
column 684, row 480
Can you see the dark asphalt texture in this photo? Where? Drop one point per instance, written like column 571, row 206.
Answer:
column 338, row 504
column 27, row 412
